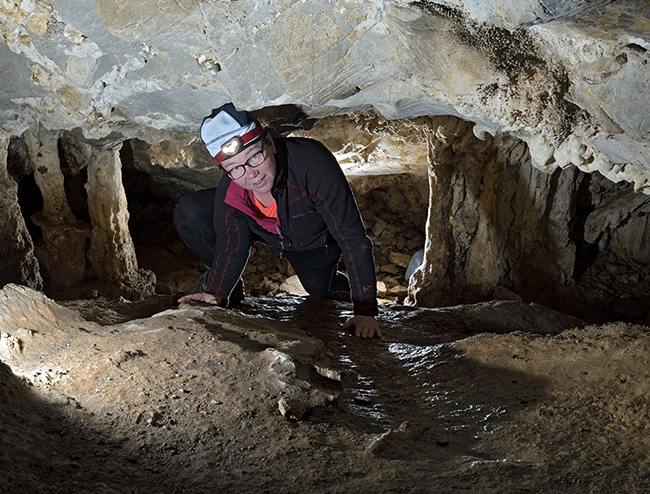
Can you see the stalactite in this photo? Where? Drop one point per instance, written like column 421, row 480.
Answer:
column 111, row 250
column 64, row 236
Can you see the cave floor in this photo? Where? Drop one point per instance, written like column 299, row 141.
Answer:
column 494, row 397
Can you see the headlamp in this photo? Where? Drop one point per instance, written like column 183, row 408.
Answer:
column 237, row 144
column 233, row 146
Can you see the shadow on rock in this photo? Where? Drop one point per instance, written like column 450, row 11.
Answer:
column 273, row 396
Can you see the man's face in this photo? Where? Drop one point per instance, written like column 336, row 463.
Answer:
column 258, row 176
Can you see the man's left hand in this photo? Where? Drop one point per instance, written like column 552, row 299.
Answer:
column 364, row 327
column 208, row 298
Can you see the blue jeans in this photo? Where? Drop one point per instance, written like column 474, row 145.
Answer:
column 316, row 269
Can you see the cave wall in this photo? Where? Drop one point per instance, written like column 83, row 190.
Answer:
column 19, row 263
column 494, row 219
column 496, row 226
column 527, row 118
column 67, row 243
column 64, row 237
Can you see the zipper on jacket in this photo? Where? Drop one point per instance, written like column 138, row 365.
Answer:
column 277, row 228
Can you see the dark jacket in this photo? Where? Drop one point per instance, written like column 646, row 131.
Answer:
column 315, row 207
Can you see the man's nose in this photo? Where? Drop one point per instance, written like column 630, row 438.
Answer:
column 250, row 171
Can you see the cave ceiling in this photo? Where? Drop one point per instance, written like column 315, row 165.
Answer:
column 568, row 78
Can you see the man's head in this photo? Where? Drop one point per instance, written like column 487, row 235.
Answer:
column 227, row 132
column 240, row 146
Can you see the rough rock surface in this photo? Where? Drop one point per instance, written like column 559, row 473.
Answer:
column 568, row 78
column 16, row 246
column 491, row 397
column 504, row 107
column 497, row 225
column 509, row 139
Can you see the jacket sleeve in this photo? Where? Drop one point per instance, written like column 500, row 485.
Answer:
column 330, row 191
column 234, row 239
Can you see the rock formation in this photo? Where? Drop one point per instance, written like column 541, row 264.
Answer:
column 508, row 139
column 551, row 91
column 567, row 79
column 273, row 396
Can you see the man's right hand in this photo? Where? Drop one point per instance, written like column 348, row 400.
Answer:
column 208, row 298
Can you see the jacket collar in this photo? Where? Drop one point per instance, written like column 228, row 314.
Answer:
column 280, row 182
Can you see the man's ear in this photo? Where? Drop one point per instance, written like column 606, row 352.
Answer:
column 270, row 142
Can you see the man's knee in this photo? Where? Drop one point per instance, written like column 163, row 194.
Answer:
column 194, row 209
column 188, row 204
column 331, row 287
column 181, row 219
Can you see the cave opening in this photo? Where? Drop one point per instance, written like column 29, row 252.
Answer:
column 393, row 207
column 601, row 267
column 157, row 244
column 586, row 252
column 75, row 177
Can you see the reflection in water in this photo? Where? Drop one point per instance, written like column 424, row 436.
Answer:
column 395, row 379
column 286, row 308
column 363, row 397
column 417, row 358
column 445, row 403
column 414, row 373
column 419, row 362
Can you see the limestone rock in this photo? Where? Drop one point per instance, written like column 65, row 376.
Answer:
column 21, row 307
column 550, row 74
column 500, row 114
column 293, row 286
column 19, row 263
column 407, row 431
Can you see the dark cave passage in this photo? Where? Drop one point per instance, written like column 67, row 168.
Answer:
column 607, row 285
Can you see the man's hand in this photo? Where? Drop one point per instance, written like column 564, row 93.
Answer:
column 364, row 326
column 208, row 298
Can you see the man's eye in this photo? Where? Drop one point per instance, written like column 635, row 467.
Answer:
column 256, row 159
column 236, row 170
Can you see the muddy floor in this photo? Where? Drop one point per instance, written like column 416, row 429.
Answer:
column 273, row 396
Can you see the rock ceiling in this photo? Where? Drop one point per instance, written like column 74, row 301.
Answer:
column 568, row 78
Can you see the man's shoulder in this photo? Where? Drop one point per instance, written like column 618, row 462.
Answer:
column 306, row 153
column 305, row 145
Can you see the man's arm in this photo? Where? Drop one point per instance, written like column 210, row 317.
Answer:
column 335, row 202
column 232, row 247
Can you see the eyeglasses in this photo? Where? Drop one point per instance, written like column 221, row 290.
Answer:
column 254, row 161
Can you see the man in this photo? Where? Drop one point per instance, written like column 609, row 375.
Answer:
column 289, row 193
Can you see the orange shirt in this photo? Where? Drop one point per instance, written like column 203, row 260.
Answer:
column 266, row 211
